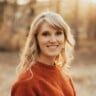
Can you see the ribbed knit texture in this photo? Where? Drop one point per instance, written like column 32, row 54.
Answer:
column 46, row 80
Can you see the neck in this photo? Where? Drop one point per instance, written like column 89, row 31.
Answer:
column 46, row 59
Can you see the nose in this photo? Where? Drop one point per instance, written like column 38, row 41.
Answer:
column 53, row 39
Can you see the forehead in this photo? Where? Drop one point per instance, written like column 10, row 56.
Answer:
column 47, row 27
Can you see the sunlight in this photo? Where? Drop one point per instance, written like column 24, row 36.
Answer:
column 23, row 2
column 86, row 2
column 93, row 1
column 42, row 0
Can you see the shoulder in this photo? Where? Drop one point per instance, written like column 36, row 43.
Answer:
column 71, row 82
column 20, row 86
column 68, row 78
column 25, row 76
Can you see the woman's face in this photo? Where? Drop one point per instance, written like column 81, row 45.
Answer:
column 50, row 40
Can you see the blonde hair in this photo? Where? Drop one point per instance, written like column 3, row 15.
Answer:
column 30, row 51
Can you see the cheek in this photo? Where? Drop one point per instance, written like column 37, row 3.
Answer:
column 41, row 42
column 61, row 39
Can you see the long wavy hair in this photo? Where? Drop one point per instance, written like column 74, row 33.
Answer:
column 31, row 50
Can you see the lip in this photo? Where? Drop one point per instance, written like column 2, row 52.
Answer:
column 52, row 46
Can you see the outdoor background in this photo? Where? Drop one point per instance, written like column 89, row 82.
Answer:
column 15, row 19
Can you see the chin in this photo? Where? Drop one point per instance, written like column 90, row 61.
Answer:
column 52, row 54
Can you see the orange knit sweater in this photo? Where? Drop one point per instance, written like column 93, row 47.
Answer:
column 45, row 81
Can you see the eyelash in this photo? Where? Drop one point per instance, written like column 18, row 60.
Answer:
column 59, row 33
column 46, row 33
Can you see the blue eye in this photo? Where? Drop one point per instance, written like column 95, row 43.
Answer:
column 46, row 33
column 59, row 33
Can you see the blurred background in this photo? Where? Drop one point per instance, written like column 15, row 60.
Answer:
column 15, row 19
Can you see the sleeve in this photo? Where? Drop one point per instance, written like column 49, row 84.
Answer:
column 71, row 82
column 18, row 90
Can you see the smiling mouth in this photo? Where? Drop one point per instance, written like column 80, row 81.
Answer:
column 52, row 46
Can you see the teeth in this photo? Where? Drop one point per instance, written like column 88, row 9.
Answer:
column 53, row 46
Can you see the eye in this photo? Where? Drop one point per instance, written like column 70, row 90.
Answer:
column 59, row 33
column 45, row 33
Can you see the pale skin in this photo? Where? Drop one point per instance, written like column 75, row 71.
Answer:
column 51, row 42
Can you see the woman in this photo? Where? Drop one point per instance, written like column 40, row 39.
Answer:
column 48, row 51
